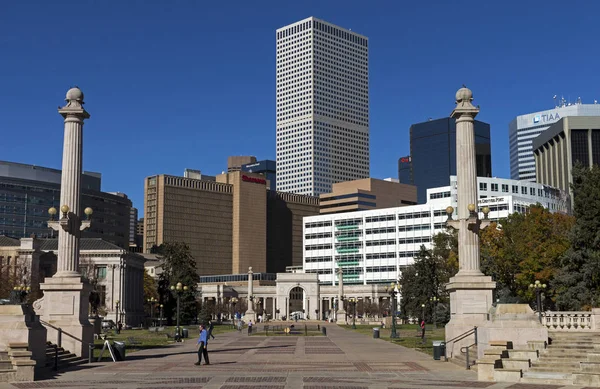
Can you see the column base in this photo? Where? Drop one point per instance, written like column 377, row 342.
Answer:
column 341, row 317
column 470, row 304
column 250, row 315
column 65, row 305
column 19, row 324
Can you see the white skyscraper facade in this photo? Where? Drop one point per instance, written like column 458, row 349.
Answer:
column 322, row 106
column 524, row 128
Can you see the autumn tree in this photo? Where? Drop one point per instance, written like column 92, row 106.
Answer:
column 578, row 281
column 178, row 266
column 150, row 291
column 527, row 247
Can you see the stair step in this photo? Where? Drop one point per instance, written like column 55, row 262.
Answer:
column 553, row 378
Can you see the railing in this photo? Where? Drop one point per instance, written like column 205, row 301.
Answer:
column 572, row 321
column 58, row 344
column 462, row 336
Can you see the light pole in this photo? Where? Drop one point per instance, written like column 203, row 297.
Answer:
column 177, row 290
column 352, row 302
column 538, row 287
column 152, row 301
column 161, row 314
column 117, row 315
column 392, row 290
column 234, row 301
column 434, row 300
column 423, row 312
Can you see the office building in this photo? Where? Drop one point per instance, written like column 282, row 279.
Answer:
column 367, row 193
column 28, row 191
column 322, row 106
column 433, row 154
column 374, row 246
column 523, row 129
column 267, row 168
column 235, row 163
column 230, row 224
column 571, row 140
column 133, row 218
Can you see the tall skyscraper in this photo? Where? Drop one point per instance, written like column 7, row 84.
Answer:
column 322, row 106
column 523, row 129
column 433, row 154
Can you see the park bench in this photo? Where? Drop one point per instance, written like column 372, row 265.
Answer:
column 133, row 341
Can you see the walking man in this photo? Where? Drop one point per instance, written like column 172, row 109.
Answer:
column 210, row 330
column 202, row 346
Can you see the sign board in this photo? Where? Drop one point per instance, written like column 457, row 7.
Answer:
column 254, row 180
column 110, row 350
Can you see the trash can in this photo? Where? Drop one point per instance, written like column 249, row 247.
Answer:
column 184, row 333
column 324, row 330
column 376, row 333
column 119, row 349
column 439, row 350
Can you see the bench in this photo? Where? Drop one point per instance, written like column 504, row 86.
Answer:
column 133, row 341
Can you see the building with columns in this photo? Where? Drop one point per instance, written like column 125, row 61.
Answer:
column 119, row 274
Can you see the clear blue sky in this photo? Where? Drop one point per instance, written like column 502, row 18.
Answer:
column 176, row 84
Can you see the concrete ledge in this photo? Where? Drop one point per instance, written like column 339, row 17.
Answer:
column 507, row 375
column 537, row 344
column 590, row 367
column 485, row 368
column 516, row 364
column 524, row 354
column 593, row 357
column 587, row 379
column 507, row 344
column 493, row 353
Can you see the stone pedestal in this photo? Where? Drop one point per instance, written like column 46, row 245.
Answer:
column 19, row 324
column 96, row 322
column 65, row 306
column 514, row 323
column 470, row 304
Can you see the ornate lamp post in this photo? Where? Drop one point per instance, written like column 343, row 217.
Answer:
column 152, row 301
column 434, row 301
column 352, row 302
column 178, row 290
column 161, row 314
column 423, row 311
column 392, row 290
column 538, row 287
column 20, row 293
column 117, row 315
column 234, row 301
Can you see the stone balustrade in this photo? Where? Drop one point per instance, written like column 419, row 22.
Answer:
column 572, row 321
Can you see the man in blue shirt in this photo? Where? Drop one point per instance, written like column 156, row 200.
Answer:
column 203, row 346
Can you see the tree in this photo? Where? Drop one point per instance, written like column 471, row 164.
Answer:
column 578, row 281
column 526, row 248
column 150, row 291
column 178, row 266
column 428, row 275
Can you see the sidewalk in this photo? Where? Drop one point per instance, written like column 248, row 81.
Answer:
column 343, row 359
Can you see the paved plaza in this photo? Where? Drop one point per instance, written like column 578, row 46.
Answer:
column 342, row 360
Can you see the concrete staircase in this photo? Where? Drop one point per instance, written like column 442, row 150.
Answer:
column 66, row 359
column 563, row 356
column 6, row 368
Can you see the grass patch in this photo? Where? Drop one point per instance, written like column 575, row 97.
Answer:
column 145, row 339
column 407, row 336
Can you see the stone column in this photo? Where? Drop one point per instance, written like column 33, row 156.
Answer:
column 470, row 291
column 65, row 303
column 250, row 314
column 341, row 312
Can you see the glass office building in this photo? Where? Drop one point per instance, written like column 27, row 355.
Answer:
column 433, row 154
column 267, row 168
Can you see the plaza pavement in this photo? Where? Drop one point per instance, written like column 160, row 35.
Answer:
column 342, row 360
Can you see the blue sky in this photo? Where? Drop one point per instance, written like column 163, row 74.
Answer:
column 176, row 84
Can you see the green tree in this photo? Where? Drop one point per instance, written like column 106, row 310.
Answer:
column 428, row 275
column 178, row 266
column 578, row 282
column 204, row 315
column 526, row 248
column 150, row 291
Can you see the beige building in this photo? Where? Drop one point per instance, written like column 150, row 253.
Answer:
column 367, row 193
column 234, row 163
column 230, row 224
column 570, row 140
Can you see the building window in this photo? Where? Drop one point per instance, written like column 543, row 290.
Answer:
column 504, row 188
column 532, row 191
column 515, row 189
column 494, row 187
column 523, row 190
column 101, row 272
column 483, row 186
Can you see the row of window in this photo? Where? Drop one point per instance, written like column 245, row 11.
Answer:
column 359, row 257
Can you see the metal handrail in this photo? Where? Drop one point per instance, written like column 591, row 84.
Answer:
column 59, row 343
column 472, row 331
column 466, row 348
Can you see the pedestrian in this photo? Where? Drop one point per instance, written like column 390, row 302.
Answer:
column 423, row 329
column 119, row 326
column 202, row 346
column 249, row 327
column 210, row 329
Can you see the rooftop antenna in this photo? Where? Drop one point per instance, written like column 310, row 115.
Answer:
column 579, row 101
column 555, row 103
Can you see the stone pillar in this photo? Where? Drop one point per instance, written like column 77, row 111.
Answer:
column 470, row 291
column 65, row 303
column 341, row 312
column 250, row 314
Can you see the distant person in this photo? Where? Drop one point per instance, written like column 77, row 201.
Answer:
column 119, row 326
column 423, row 329
column 210, row 329
column 249, row 327
column 202, row 346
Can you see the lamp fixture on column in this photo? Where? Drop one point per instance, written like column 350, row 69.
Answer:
column 178, row 289
column 538, row 288
column 392, row 290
